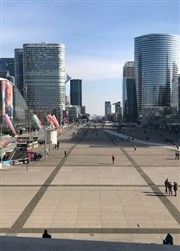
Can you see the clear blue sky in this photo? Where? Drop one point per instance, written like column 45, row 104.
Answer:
column 98, row 36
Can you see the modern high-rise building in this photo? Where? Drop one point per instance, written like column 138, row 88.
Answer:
column 107, row 108
column 44, row 75
column 6, row 67
column 116, row 112
column 130, row 113
column 128, row 70
column 18, row 69
column 157, row 64
column 76, row 92
column 83, row 109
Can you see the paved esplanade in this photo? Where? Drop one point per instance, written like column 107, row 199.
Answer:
column 83, row 196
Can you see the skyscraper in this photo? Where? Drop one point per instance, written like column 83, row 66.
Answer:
column 130, row 113
column 6, row 67
column 44, row 75
column 156, row 65
column 76, row 92
column 107, row 108
column 18, row 69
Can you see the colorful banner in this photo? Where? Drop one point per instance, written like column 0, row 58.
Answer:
column 37, row 122
column 56, row 120
column 52, row 119
column 42, row 127
column 51, row 123
column 7, row 98
column 9, row 123
column 59, row 127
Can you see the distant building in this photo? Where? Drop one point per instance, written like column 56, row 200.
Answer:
column 128, row 70
column 6, row 68
column 175, row 95
column 83, row 110
column 76, row 92
column 156, row 66
column 116, row 112
column 73, row 112
column 118, row 108
column 107, row 108
column 18, row 69
column 130, row 112
column 67, row 101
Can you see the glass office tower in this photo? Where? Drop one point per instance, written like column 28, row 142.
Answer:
column 18, row 69
column 44, row 75
column 129, row 93
column 76, row 92
column 107, row 108
column 157, row 64
column 6, row 67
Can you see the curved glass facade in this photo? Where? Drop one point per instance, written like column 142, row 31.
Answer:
column 157, row 63
column 12, row 103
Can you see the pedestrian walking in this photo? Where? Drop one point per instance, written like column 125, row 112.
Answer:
column 176, row 155
column 113, row 159
column 170, row 188
column 134, row 148
column 57, row 146
column 65, row 153
column 166, row 185
column 175, row 188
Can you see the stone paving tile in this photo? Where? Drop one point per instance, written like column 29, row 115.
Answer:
column 12, row 204
column 19, row 175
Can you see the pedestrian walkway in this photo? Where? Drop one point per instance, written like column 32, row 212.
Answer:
column 142, row 142
column 84, row 197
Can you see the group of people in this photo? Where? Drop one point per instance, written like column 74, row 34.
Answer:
column 169, row 187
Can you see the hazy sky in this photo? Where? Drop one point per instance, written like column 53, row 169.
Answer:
column 98, row 36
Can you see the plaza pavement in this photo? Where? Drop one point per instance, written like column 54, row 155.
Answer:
column 85, row 197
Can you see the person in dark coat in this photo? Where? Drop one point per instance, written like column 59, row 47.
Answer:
column 45, row 234
column 57, row 146
column 166, row 185
column 170, row 188
column 113, row 159
column 168, row 240
column 175, row 188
